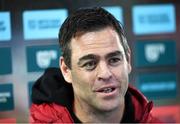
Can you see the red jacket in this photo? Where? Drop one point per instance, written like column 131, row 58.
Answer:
column 52, row 102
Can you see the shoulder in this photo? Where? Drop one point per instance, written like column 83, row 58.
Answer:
column 142, row 107
column 49, row 113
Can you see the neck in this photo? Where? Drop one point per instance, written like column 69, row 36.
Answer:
column 90, row 115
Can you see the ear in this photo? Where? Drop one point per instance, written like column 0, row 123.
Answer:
column 66, row 72
column 129, row 61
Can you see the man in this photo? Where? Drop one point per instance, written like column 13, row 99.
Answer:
column 95, row 64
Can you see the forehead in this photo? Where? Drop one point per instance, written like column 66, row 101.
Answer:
column 97, row 42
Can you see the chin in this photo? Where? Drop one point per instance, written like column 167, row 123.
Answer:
column 110, row 106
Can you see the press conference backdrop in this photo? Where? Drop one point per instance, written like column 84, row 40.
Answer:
column 29, row 45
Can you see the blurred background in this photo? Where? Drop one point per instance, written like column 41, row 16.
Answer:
column 29, row 45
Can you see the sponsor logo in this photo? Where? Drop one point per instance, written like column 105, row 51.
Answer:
column 153, row 19
column 4, row 96
column 43, row 24
column 43, row 58
column 154, row 51
column 5, row 26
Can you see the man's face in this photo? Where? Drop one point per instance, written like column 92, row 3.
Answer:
column 99, row 73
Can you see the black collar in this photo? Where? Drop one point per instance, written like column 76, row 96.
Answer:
column 128, row 116
column 52, row 88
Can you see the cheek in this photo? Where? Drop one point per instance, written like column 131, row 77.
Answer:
column 81, row 81
column 121, row 75
column 121, row 72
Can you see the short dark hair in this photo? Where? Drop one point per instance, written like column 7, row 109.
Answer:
column 86, row 20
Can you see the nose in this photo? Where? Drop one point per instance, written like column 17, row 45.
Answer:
column 104, row 73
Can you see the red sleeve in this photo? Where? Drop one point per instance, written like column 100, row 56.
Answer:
column 49, row 113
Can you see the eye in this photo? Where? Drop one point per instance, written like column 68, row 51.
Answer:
column 114, row 61
column 90, row 65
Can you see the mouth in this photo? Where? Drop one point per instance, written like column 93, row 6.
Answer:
column 106, row 90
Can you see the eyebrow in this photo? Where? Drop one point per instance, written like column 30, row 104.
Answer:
column 115, row 53
column 87, row 57
column 92, row 56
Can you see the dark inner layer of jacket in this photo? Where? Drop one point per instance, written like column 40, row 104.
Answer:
column 52, row 88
